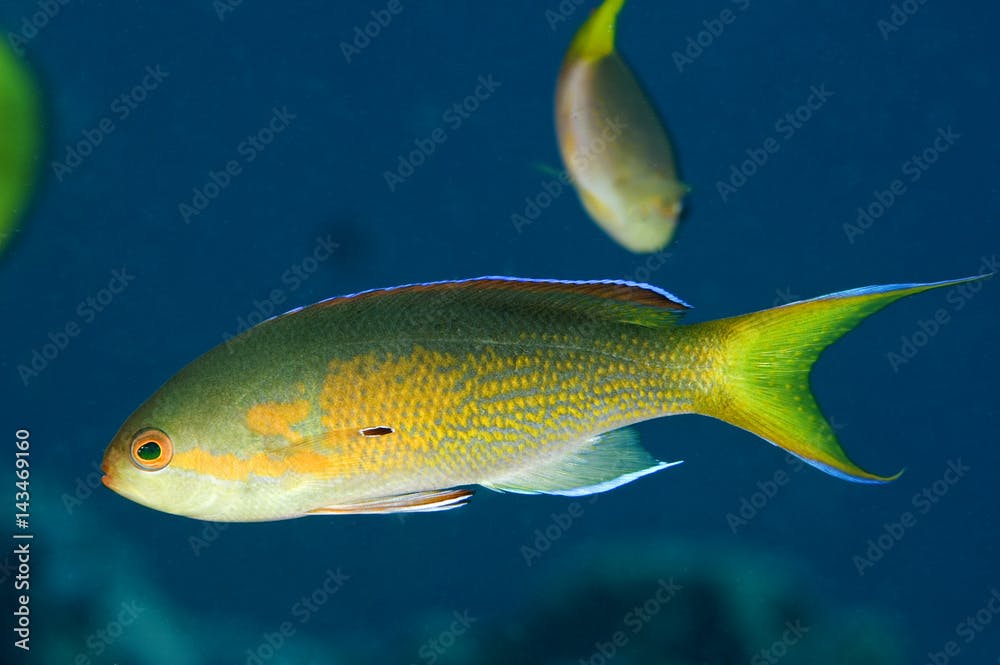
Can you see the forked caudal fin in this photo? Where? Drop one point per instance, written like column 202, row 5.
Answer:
column 764, row 378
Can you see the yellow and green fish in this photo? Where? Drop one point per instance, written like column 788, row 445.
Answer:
column 20, row 140
column 612, row 141
column 398, row 399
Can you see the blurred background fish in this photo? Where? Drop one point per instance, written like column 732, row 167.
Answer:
column 613, row 143
column 20, row 140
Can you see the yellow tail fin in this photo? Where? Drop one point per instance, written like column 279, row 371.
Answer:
column 765, row 374
column 596, row 38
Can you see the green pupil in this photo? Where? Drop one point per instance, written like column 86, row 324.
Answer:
column 149, row 451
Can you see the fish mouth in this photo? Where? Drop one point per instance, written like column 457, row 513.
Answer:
column 106, row 479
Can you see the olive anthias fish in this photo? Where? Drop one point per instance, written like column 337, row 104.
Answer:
column 613, row 142
column 397, row 399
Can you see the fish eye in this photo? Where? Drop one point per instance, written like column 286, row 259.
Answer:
column 152, row 449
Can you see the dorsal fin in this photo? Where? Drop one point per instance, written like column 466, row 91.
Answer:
column 616, row 299
column 622, row 290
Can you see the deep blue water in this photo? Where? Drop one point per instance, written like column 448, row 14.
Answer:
column 211, row 82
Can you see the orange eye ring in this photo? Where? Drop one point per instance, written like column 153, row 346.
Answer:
column 151, row 449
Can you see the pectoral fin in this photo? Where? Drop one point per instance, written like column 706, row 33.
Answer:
column 604, row 463
column 417, row 502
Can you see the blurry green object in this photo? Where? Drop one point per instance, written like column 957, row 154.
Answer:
column 20, row 137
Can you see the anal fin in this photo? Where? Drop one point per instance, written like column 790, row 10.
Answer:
column 416, row 502
column 604, row 462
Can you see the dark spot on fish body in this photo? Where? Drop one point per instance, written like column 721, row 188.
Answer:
column 380, row 430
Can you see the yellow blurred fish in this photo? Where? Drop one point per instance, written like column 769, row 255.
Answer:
column 390, row 400
column 613, row 142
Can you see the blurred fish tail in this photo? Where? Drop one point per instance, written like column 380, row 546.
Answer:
column 596, row 38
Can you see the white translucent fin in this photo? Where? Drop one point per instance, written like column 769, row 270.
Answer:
column 417, row 502
column 603, row 463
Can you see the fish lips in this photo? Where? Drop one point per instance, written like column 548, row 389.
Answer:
column 106, row 479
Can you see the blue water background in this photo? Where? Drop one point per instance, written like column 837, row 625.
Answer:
column 780, row 236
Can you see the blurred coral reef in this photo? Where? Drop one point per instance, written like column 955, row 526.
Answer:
column 630, row 603
column 643, row 603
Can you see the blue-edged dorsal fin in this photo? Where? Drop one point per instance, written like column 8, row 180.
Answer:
column 605, row 462
column 615, row 299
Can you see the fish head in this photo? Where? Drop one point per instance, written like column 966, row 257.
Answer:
column 647, row 209
column 655, row 211
column 649, row 223
column 656, row 198
column 221, row 441
column 144, row 463
column 137, row 465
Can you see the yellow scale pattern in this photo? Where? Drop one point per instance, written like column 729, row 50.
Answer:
column 462, row 415
column 277, row 418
